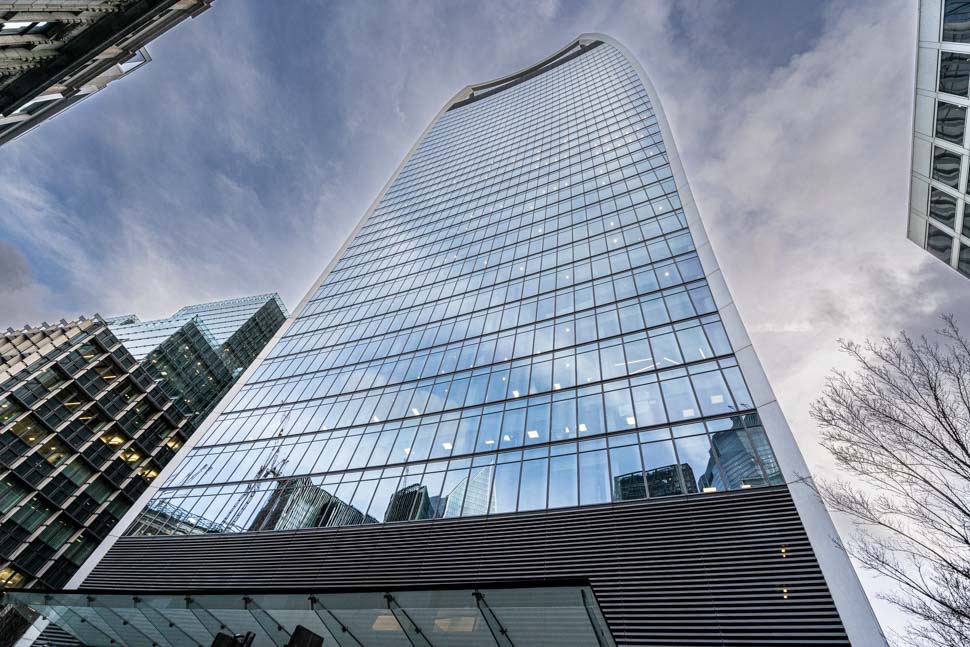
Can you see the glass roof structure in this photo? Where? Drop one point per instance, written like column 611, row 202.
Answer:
column 565, row 615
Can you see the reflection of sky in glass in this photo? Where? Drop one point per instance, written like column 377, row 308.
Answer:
column 499, row 324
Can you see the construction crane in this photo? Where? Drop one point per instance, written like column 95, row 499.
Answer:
column 272, row 467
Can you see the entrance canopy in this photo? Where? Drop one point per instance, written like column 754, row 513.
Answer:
column 532, row 615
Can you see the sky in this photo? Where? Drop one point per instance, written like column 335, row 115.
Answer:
column 241, row 157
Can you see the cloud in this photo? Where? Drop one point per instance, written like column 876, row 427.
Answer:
column 21, row 297
column 240, row 158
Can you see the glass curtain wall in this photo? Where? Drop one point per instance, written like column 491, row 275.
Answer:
column 522, row 323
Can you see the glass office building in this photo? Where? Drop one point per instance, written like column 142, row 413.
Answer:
column 90, row 413
column 523, row 368
column 939, row 219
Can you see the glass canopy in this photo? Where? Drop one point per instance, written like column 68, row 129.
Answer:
column 535, row 615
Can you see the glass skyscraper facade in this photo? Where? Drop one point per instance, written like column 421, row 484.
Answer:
column 522, row 323
column 939, row 219
column 91, row 411
column 517, row 369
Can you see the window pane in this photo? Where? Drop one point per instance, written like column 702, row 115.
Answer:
column 954, row 73
column 564, row 419
column 737, row 459
column 478, row 491
column 665, row 350
column 564, row 373
column 612, row 362
column 956, row 21
column 679, row 399
column 453, row 493
column 532, row 490
column 946, row 166
column 712, row 393
column 426, row 496
column 939, row 243
column 768, row 462
column 943, row 207
column 950, row 122
column 588, row 367
column 506, row 488
column 660, row 467
column 590, row 416
column 537, row 424
column 444, row 441
column 563, row 478
column 513, row 424
column 594, row 478
column 465, row 438
column 619, row 410
column 360, row 503
column 649, row 406
column 626, row 473
column 697, row 462
column 638, row 356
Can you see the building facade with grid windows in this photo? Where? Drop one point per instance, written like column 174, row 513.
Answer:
column 92, row 410
column 939, row 220
column 54, row 53
column 523, row 370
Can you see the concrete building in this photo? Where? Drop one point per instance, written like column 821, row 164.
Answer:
column 53, row 54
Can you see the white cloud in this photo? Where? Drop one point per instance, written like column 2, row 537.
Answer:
column 238, row 160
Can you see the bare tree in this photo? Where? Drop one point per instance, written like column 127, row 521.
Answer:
column 901, row 424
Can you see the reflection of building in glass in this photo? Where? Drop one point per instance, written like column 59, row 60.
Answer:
column 739, row 468
column 294, row 503
column 630, row 486
column 939, row 219
column 53, row 54
column 469, row 497
column 411, row 502
column 168, row 516
column 665, row 481
column 92, row 410
column 521, row 321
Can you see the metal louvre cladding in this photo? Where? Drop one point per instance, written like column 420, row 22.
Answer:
column 514, row 371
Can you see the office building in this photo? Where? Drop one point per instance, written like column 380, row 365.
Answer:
column 90, row 413
column 525, row 383
column 53, row 54
column 939, row 220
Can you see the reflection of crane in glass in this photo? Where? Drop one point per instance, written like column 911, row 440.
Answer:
column 272, row 467
column 193, row 476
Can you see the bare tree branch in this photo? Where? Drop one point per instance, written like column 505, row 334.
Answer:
column 901, row 425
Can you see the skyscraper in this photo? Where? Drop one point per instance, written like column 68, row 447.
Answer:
column 524, row 379
column 54, row 54
column 90, row 413
column 939, row 220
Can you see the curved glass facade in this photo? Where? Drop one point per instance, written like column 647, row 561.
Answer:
column 522, row 323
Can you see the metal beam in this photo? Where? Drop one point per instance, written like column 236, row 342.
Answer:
column 166, row 622
column 344, row 629
column 206, row 618
column 502, row 631
column 600, row 640
column 414, row 626
column 124, row 623
column 269, row 627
